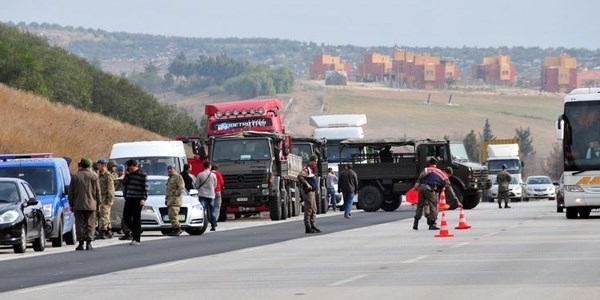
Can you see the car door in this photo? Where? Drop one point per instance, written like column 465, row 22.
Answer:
column 34, row 214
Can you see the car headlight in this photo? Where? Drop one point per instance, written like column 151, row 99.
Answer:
column 197, row 210
column 573, row 188
column 9, row 216
column 47, row 210
column 517, row 188
column 148, row 209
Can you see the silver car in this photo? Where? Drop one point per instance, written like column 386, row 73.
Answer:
column 539, row 187
column 193, row 216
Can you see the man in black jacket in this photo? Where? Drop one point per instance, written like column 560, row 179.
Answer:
column 135, row 191
column 348, row 186
column 188, row 178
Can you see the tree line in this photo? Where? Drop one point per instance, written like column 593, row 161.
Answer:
column 29, row 63
column 220, row 74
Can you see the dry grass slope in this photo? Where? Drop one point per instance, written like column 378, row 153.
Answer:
column 33, row 124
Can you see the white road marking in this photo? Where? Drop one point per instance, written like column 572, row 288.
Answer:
column 344, row 281
column 47, row 286
column 461, row 244
column 490, row 234
column 415, row 259
column 169, row 264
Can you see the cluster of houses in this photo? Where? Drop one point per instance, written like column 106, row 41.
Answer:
column 424, row 71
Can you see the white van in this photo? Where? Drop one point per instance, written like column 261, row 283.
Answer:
column 153, row 156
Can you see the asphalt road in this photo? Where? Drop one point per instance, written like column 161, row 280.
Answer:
column 527, row 252
column 68, row 264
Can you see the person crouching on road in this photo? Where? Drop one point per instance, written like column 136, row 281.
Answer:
column 308, row 181
column 135, row 190
column 429, row 184
column 107, row 191
column 173, row 198
column 84, row 197
column 206, row 183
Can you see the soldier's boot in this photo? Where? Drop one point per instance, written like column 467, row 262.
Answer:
column 433, row 227
column 315, row 229
column 80, row 246
column 309, row 229
column 108, row 234
column 416, row 224
column 499, row 204
column 88, row 245
column 100, row 235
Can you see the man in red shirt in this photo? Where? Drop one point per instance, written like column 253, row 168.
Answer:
column 218, row 190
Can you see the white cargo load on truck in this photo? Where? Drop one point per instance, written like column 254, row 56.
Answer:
column 338, row 132
column 503, row 150
column 333, row 121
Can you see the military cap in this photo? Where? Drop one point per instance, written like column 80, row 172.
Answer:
column 85, row 162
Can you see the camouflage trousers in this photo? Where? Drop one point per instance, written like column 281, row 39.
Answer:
column 174, row 216
column 104, row 217
column 310, row 209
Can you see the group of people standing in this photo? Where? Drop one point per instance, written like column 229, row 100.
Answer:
column 92, row 192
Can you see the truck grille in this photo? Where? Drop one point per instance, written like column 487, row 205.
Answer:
column 244, row 181
column 480, row 175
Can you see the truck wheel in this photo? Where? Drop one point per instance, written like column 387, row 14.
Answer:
column 274, row 209
column 370, row 198
column 390, row 205
column 284, row 209
column 572, row 212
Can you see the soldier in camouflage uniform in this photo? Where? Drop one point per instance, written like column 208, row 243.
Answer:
column 173, row 198
column 112, row 169
column 503, row 179
column 107, row 191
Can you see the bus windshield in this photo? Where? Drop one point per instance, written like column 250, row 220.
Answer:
column 581, row 142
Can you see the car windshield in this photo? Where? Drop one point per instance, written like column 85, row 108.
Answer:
column 458, row 151
column 9, row 192
column 156, row 187
column 152, row 165
column 539, row 180
column 41, row 179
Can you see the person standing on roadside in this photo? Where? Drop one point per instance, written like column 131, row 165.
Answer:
column 206, row 182
column 135, row 191
column 84, row 198
column 112, row 169
column 174, row 199
column 331, row 181
column 107, row 190
column 188, row 178
column 308, row 182
column 120, row 171
column 348, row 186
column 503, row 179
column 218, row 190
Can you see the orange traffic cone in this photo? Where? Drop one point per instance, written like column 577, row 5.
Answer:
column 442, row 203
column 462, row 221
column 444, row 228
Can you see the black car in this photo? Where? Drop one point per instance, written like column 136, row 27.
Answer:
column 21, row 216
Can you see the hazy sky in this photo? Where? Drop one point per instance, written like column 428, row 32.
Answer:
column 454, row 23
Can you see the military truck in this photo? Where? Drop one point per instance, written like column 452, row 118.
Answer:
column 260, row 175
column 305, row 147
column 382, row 184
